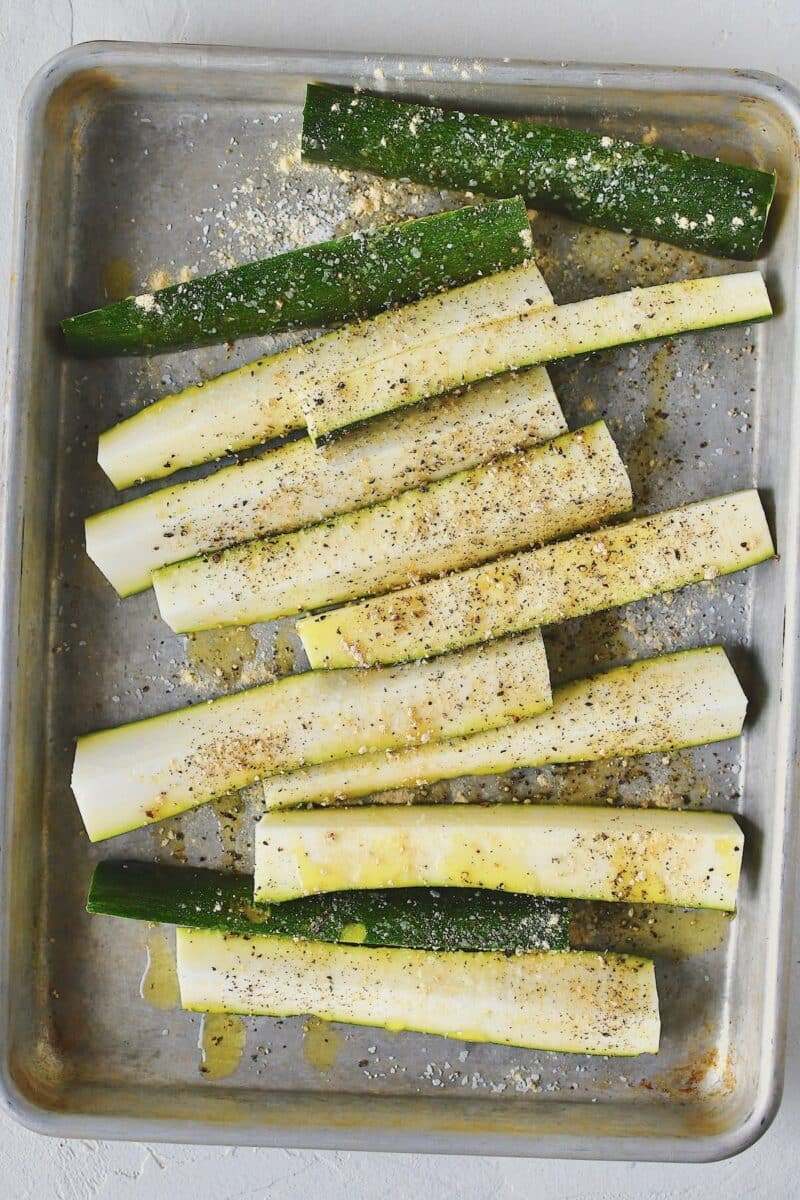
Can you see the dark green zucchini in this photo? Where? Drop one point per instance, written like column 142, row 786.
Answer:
column 696, row 202
column 418, row 918
column 331, row 281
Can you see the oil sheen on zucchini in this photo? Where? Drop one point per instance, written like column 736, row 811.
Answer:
column 702, row 203
column 633, row 855
column 331, row 281
column 584, row 574
column 443, row 919
column 578, row 1001
column 654, row 705
column 149, row 770
column 532, row 496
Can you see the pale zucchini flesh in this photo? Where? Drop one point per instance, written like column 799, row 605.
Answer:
column 585, row 574
column 573, row 1001
column 644, row 856
column 655, row 705
column 262, row 400
column 297, row 484
column 531, row 496
column 152, row 769
column 534, row 337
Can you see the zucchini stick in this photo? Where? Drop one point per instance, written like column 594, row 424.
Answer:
column 535, row 337
column 331, row 281
column 585, row 574
column 297, row 484
column 532, row 496
column 152, row 769
column 262, row 400
column 702, row 203
column 444, row 919
column 654, row 705
column 578, row 1001
column 647, row 856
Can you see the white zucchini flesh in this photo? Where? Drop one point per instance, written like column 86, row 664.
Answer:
column 536, row 337
column 152, row 769
column 585, row 574
column 648, row 856
column 262, row 400
column 655, row 705
column 297, row 484
column 531, row 496
column 574, row 1001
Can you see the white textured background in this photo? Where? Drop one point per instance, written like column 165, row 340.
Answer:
column 745, row 33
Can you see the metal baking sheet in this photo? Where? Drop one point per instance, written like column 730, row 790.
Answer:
column 141, row 163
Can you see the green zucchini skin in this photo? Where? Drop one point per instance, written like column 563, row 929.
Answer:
column 331, row 281
column 415, row 918
column 700, row 203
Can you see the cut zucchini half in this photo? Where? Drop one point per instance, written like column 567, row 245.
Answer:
column 314, row 285
column 646, row 856
column 531, row 496
column 299, row 485
column 529, row 338
column 654, row 705
column 155, row 768
column 708, row 205
column 574, row 1001
column 584, row 574
column 445, row 919
column 262, row 400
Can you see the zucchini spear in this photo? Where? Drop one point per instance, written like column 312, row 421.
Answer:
column 701, row 203
column 584, row 574
column 501, row 323
column 535, row 495
column 578, row 1001
column 152, row 769
column 654, row 705
column 445, row 919
column 262, row 399
column 331, row 281
column 534, row 337
column 298, row 484
column 633, row 855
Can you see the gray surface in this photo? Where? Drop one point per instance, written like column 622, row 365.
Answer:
column 481, row 1178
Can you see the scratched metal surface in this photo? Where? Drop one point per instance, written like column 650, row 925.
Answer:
column 144, row 160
